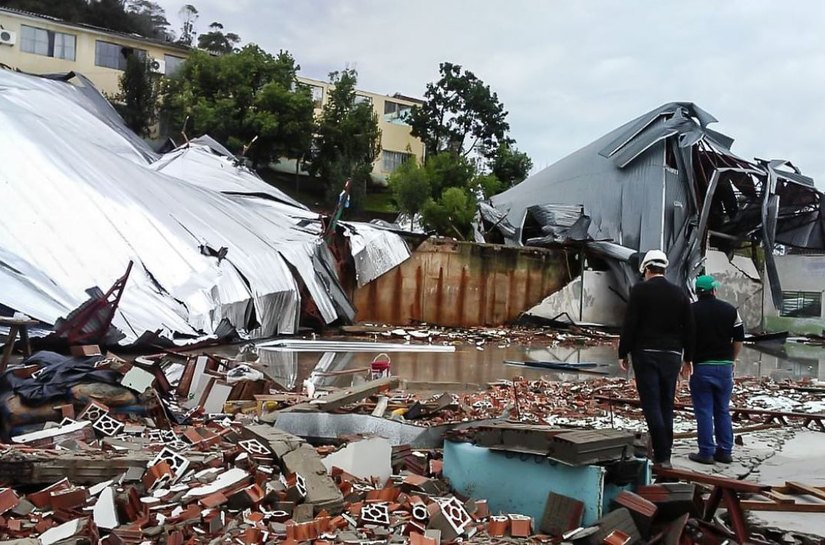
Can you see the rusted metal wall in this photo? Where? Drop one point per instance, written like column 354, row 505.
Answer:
column 454, row 284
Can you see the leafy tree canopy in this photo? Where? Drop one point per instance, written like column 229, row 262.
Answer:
column 189, row 17
column 235, row 98
column 410, row 187
column 347, row 138
column 216, row 41
column 142, row 17
column 460, row 114
column 510, row 165
column 137, row 99
column 445, row 191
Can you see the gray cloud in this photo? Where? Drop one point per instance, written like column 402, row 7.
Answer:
column 569, row 71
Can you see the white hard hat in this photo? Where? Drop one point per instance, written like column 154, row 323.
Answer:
column 657, row 258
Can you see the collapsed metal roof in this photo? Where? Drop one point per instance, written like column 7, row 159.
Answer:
column 82, row 198
column 664, row 180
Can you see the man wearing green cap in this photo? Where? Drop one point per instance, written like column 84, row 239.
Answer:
column 719, row 336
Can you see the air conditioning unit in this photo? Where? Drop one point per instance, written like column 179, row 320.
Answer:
column 158, row 66
column 7, row 37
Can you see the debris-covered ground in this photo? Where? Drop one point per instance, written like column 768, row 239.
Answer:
column 181, row 449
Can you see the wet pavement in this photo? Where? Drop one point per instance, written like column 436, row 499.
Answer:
column 476, row 366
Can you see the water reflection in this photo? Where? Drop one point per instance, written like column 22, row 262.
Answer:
column 471, row 366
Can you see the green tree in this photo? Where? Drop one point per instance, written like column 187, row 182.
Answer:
column 189, row 16
column 142, row 17
column 452, row 214
column 510, row 165
column 150, row 17
column 460, row 114
column 138, row 97
column 445, row 191
column 68, row 10
column 347, row 139
column 410, row 187
column 447, row 170
column 215, row 41
column 236, row 97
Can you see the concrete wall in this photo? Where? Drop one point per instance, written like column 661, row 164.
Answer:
column 453, row 283
column 105, row 79
column 599, row 304
column 797, row 273
column 741, row 285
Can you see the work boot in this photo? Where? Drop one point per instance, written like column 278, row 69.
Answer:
column 696, row 457
column 723, row 458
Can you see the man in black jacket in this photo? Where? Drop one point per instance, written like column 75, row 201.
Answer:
column 658, row 335
column 719, row 336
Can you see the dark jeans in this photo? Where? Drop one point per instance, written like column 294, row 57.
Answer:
column 656, row 376
column 710, row 388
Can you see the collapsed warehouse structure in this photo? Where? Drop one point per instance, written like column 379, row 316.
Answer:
column 211, row 242
column 664, row 180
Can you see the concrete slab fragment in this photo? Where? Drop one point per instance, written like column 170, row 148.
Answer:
column 366, row 458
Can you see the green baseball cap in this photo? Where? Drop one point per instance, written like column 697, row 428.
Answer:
column 706, row 283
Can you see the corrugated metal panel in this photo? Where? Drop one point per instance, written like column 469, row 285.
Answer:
column 81, row 201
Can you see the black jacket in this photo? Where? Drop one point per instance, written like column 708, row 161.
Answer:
column 658, row 317
column 718, row 325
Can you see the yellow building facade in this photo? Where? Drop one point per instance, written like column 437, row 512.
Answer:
column 40, row 44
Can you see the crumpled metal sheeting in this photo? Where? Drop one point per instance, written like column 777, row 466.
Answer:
column 296, row 243
column 20, row 280
column 643, row 188
column 375, row 251
column 66, row 217
column 56, row 104
column 81, row 203
column 200, row 165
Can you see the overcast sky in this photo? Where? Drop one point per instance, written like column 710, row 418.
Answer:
column 570, row 71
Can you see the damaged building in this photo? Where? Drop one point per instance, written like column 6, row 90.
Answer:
column 210, row 242
column 664, row 180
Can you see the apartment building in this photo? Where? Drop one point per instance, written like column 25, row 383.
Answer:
column 40, row 44
column 397, row 144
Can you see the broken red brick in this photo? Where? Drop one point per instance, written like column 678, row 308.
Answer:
column 213, row 500
column 617, row 537
column 8, row 500
column 42, row 498
column 155, row 473
column 68, row 498
column 520, row 526
column 498, row 526
column 420, row 539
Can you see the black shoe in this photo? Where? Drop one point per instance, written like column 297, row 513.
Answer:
column 696, row 457
column 723, row 458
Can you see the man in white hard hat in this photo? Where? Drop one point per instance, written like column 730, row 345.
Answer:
column 657, row 334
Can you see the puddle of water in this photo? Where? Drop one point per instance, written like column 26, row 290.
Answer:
column 468, row 365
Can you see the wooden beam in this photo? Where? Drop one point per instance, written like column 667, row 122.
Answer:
column 712, row 480
column 756, row 505
column 801, row 488
column 346, row 396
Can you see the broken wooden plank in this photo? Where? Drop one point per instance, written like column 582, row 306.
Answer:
column 802, row 488
column 346, row 396
column 779, row 497
column 757, row 505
